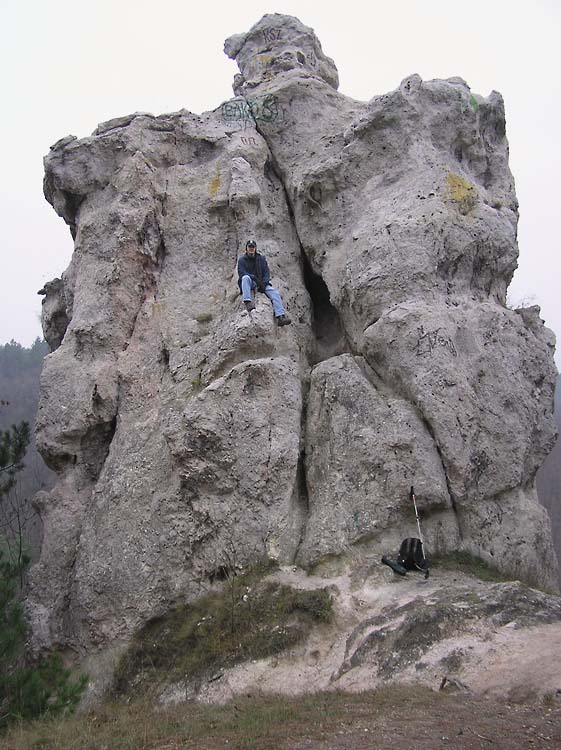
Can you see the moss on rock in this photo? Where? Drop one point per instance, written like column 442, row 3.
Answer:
column 249, row 618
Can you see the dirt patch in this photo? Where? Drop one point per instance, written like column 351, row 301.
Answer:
column 433, row 723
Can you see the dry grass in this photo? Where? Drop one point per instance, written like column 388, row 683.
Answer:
column 252, row 617
column 397, row 716
column 251, row 723
column 472, row 565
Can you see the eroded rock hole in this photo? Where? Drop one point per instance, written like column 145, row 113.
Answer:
column 96, row 443
column 221, row 573
column 329, row 334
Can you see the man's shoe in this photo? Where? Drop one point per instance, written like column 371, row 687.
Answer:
column 283, row 320
column 395, row 566
column 249, row 306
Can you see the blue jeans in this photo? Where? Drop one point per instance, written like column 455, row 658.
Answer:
column 248, row 284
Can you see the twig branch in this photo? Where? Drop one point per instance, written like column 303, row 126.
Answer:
column 481, row 737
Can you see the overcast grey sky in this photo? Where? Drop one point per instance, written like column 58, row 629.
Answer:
column 70, row 65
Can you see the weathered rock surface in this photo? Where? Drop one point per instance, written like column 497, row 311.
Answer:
column 452, row 632
column 182, row 429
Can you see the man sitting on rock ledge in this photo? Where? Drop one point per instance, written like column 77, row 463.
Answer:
column 253, row 273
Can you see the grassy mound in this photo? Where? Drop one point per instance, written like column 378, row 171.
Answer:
column 250, row 618
column 472, row 565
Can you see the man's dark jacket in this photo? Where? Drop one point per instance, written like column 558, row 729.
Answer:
column 257, row 268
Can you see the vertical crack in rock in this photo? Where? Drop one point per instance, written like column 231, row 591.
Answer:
column 426, row 423
column 163, row 359
column 301, row 489
column 302, row 496
column 375, row 378
column 324, row 316
column 451, row 493
column 329, row 335
column 153, row 248
column 330, row 339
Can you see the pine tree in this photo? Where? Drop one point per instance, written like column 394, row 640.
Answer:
column 13, row 444
column 26, row 691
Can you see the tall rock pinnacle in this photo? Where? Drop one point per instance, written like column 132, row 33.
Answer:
column 179, row 426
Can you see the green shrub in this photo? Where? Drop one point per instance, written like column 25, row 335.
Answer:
column 28, row 691
column 197, row 383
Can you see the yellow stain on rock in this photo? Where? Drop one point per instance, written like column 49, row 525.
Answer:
column 462, row 192
column 214, row 185
column 266, row 59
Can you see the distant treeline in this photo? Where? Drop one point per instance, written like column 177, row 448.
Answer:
column 20, row 371
column 549, row 480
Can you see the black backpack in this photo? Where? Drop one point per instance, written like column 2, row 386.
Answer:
column 411, row 555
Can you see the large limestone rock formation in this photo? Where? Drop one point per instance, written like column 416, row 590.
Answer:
column 185, row 432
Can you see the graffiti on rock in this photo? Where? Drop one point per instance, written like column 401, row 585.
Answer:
column 429, row 340
column 271, row 35
column 261, row 109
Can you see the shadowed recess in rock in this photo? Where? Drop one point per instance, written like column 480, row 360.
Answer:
column 326, row 325
column 96, row 443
